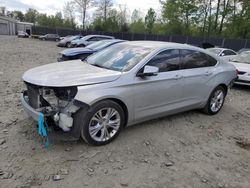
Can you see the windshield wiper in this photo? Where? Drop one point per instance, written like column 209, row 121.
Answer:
column 96, row 65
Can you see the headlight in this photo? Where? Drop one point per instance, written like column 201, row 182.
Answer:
column 65, row 93
column 60, row 55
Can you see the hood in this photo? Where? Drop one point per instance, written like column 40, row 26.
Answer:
column 69, row 73
column 68, row 39
column 77, row 51
column 241, row 66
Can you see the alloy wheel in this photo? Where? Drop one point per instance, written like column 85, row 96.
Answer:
column 217, row 101
column 104, row 124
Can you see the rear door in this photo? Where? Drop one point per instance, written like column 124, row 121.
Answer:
column 197, row 71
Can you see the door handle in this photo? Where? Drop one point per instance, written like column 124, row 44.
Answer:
column 177, row 77
column 208, row 73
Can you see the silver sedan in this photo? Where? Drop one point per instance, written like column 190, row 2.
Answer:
column 126, row 84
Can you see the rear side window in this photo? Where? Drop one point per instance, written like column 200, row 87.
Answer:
column 195, row 59
column 168, row 60
column 93, row 39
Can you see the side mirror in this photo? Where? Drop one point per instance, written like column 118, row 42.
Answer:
column 222, row 54
column 148, row 71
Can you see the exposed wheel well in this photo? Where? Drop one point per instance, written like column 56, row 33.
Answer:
column 224, row 87
column 124, row 107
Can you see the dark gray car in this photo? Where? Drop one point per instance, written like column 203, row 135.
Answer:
column 50, row 37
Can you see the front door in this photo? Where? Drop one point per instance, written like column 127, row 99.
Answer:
column 155, row 95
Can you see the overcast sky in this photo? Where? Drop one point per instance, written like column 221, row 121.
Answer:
column 53, row 6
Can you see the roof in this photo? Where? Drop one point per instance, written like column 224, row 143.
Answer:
column 25, row 23
column 160, row 44
column 14, row 20
column 8, row 19
column 220, row 48
column 98, row 36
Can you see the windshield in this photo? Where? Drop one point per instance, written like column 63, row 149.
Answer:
column 85, row 38
column 99, row 45
column 243, row 57
column 215, row 51
column 120, row 57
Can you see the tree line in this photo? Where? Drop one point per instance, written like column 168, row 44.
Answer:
column 208, row 18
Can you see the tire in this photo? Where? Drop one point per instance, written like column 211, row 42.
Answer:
column 214, row 104
column 68, row 44
column 87, row 121
column 81, row 45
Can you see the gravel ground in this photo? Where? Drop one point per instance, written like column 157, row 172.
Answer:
column 186, row 150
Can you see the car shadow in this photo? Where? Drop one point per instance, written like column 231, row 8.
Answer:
column 241, row 87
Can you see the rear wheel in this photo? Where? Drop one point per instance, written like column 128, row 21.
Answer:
column 102, row 123
column 215, row 101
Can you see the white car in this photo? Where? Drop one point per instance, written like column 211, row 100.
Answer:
column 22, row 34
column 242, row 64
column 226, row 54
column 89, row 39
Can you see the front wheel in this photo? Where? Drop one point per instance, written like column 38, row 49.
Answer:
column 215, row 101
column 68, row 44
column 102, row 123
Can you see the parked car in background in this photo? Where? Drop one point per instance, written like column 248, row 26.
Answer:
column 125, row 84
column 224, row 53
column 83, row 53
column 242, row 64
column 66, row 41
column 22, row 34
column 61, row 38
column 89, row 39
column 243, row 50
column 51, row 37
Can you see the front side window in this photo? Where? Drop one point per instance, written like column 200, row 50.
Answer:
column 195, row 59
column 228, row 52
column 92, row 39
column 168, row 60
column 119, row 57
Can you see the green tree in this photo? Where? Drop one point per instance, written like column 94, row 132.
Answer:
column 16, row 15
column 31, row 15
column 69, row 14
column 137, row 25
column 180, row 15
column 104, row 7
column 83, row 5
column 150, row 20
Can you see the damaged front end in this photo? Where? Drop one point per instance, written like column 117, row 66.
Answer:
column 56, row 103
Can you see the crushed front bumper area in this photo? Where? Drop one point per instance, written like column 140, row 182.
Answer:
column 29, row 110
column 56, row 105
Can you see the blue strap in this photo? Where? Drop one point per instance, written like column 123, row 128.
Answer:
column 42, row 129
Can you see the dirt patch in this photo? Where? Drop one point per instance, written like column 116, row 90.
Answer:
column 186, row 150
column 243, row 143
